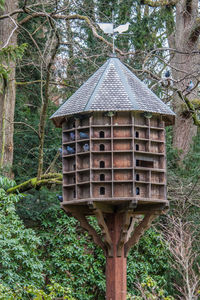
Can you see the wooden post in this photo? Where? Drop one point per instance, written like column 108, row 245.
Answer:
column 115, row 266
column 118, row 235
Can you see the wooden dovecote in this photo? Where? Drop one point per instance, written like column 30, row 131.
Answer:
column 114, row 162
column 114, row 140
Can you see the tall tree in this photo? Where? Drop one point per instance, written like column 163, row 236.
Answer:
column 8, row 37
column 185, row 66
column 183, row 39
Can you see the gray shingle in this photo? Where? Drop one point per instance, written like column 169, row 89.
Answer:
column 112, row 87
column 77, row 102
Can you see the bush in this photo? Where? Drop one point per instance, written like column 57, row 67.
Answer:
column 18, row 245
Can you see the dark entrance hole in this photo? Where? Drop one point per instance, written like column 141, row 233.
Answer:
column 102, row 164
column 137, row 134
column 102, row 190
column 137, row 190
column 102, row 177
column 101, row 147
column 144, row 163
column 101, row 134
column 137, row 177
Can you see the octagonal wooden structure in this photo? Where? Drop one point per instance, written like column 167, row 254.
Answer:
column 114, row 159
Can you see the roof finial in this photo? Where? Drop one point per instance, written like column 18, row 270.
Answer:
column 113, row 21
column 109, row 29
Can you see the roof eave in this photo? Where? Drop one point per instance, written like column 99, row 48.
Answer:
column 169, row 119
column 58, row 121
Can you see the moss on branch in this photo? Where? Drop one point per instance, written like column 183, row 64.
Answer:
column 34, row 183
column 159, row 3
column 191, row 107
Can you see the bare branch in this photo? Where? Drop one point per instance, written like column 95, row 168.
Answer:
column 11, row 34
column 44, row 107
column 27, row 125
column 11, row 14
column 57, row 83
column 180, row 238
column 34, row 42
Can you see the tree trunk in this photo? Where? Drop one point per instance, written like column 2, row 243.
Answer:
column 185, row 68
column 7, row 99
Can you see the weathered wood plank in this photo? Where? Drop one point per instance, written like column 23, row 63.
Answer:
column 105, row 231
column 139, row 231
column 85, row 225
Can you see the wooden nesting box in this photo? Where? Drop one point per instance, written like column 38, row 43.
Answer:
column 114, row 158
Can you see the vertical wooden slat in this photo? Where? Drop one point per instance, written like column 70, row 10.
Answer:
column 133, row 153
column 91, row 155
column 112, row 162
column 63, row 161
column 148, row 148
column 76, row 157
column 165, row 164
column 149, row 184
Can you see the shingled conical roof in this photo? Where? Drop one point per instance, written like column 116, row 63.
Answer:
column 113, row 87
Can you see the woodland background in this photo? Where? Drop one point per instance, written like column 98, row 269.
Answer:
column 47, row 50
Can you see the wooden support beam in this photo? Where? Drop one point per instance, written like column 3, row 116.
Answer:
column 139, row 231
column 104, row 207
column 131, row 228
column 115, row 266
column 83, row 208
column 131, row 205
column 154, row 208
column 84, row 224
column 124, row 231
column 105, row 231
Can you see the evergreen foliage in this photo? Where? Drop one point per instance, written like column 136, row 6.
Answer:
column 71, row 258
column 8, row 54
column 19, row 260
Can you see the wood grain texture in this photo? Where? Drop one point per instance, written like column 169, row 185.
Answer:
column 115, row 266
column 139, row 231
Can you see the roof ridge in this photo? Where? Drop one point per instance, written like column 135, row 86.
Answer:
column 126, row 84
column 96, row 87
column 146, row 86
